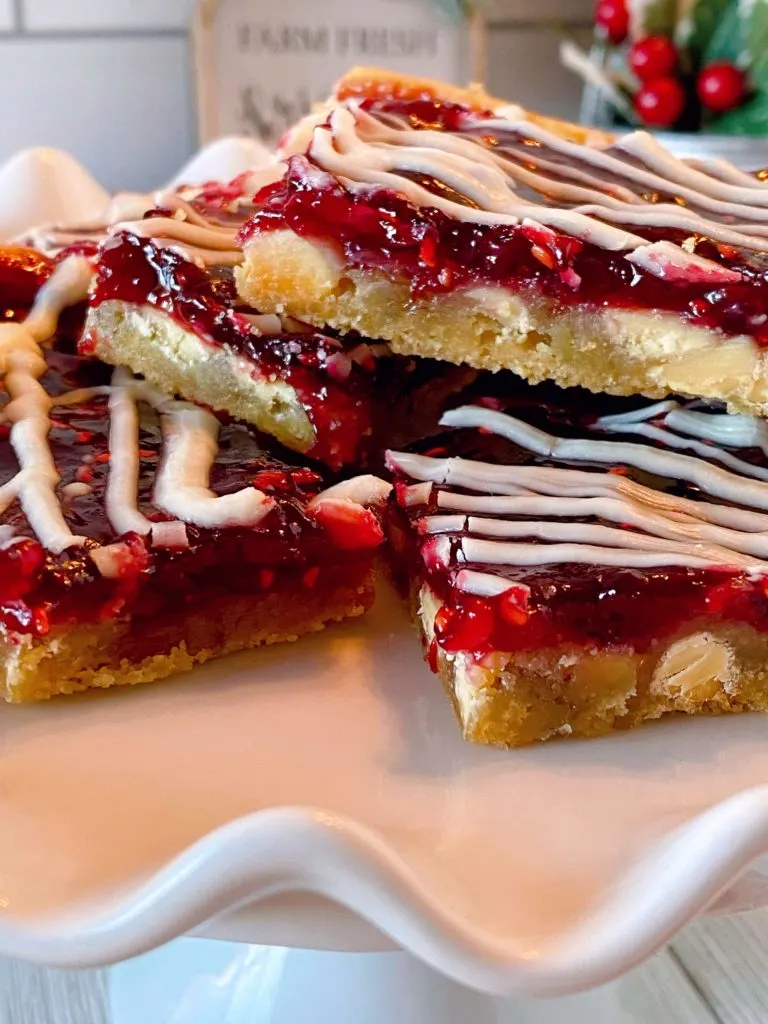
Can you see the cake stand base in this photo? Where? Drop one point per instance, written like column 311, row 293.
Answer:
column 198, row 981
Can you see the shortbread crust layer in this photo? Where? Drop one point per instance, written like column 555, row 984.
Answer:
column 130, row 651
column 708, row 669
column 608, row 350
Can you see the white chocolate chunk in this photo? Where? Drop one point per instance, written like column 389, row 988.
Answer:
column 694, row 668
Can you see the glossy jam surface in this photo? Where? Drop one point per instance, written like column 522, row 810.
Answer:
column 22, row 272
column 589, row 606
column 39, row 590
column 334, row 390
column 593, row 607
column 425, row 112
column 379, row 229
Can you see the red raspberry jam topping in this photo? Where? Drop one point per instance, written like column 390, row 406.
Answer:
column 87, row 248
column 393, row 94
column 424, row 112
column 379, row 229
column 289, row 549
column 588, row 606
column 348, row 526
column 334, row 389
column 593, row 607
column 219, row 196
column 22, row 272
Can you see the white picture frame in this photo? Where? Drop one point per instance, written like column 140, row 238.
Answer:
column 259, row 65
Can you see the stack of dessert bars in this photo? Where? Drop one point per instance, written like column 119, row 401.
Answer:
column 550, row 341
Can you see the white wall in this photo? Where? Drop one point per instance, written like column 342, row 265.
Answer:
column 111, row 80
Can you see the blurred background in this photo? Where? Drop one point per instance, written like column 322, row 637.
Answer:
column 112, row 81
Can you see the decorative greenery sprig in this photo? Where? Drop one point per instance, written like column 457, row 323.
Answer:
column 687, row 64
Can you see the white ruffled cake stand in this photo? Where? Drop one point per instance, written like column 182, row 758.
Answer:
column 320, row 795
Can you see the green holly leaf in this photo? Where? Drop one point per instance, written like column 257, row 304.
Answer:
column 728, row 41
column 749, row 119
column 757, row 34
column 758, row 74
column 659, row 17
column 453, row 10
column 695, row 32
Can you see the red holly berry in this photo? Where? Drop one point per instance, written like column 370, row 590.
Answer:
column 613, row 18
column 721, row 87
column 652, row 57
column 660, row 102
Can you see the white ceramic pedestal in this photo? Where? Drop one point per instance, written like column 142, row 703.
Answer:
column 198, row 981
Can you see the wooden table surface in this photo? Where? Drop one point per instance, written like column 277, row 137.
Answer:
column 713, row 973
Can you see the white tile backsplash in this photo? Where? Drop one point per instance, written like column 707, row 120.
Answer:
column 76, row 15
column 123, row 107
column 7, row 16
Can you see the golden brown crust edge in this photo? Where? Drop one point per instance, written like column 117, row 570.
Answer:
column 705, row 669
column 380, row 83
column 178, row 362
column 623, row 353
column 126, row 653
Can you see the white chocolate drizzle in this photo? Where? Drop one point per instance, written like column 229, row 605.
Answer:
column 204, row 235
column 361, row 490
column 187, row 231
column 658, row 423
column 22, row 364
column 711, row 479
column 190, row 446
column 190, row 434
column 120, row 496
column 604, row 194
column 182, row 486
column 506, row 516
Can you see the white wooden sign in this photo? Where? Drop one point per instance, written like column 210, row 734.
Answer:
column 261, row 64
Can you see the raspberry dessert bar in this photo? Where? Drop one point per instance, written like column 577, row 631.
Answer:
column 575, row 572
column 164, row 304
column 140, row 537
column 458, row 227
column 178, row 324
